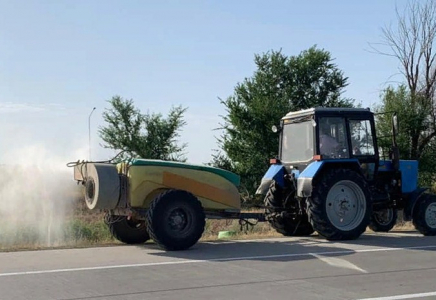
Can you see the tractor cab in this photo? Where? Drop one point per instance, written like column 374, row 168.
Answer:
column 328, row 134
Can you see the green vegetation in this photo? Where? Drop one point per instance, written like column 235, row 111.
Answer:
column 411, row 44
column 142, row 135
column 280, row 84
column 75, row 232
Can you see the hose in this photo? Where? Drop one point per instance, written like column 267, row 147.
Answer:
column 83, row 163
column 76, row 163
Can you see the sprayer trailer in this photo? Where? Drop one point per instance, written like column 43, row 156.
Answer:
column 163, row 200
column 329, row 177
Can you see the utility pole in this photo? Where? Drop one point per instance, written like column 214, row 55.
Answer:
column 89, row 131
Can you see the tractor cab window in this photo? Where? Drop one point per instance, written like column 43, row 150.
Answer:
column 362, row 141
column 297, row 141
column 333, row 138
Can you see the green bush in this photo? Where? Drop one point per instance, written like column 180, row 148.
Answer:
column 80, row 231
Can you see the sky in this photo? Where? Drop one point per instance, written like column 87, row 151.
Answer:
column 60, row 59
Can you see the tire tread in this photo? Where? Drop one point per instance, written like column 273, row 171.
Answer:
column 316, row 205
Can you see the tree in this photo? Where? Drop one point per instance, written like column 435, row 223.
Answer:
column 411, row 43
column 142, row 135
column 399, row 100
column 279, row 85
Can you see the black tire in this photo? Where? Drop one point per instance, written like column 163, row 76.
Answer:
column 175, row 220
column 325, row 207
column 284, row 225
column 128, row 231
column 383, row 220
column 424, row 215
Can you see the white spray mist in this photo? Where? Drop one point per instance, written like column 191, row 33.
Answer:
column 37, row 191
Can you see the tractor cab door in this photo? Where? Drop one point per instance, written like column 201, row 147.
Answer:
column 332, row 138
column 349, row 136
column 363, row 145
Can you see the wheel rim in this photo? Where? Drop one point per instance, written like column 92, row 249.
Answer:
column 430, row 215
column 179, row 221
column 346, row 205
column 384, row 217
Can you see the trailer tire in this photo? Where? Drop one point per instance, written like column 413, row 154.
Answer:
column 424, row 215
column 175, row 220
column 340, row 206
column 383, row 220
column 282, row 224
column 127, row 231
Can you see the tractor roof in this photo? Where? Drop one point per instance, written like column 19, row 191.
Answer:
column 330, row 111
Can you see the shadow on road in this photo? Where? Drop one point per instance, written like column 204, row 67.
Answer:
column 294, row 248
column 263, row 250
column 297, row 248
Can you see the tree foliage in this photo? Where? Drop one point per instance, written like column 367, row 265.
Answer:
column 279, row 84
column 399, row 100
column 142, row 135
column 411, row 43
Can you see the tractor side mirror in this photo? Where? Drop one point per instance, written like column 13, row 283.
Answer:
column 276, row 128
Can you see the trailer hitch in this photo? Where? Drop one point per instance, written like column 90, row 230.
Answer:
column 247, row 224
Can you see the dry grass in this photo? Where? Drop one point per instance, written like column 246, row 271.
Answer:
column 84, row 228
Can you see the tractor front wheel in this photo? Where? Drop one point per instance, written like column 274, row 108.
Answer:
column 283, row 224
column 290, row 227
column 126, row 230
column 383, row 220
column 175, row 220
column 340, row 206
column 424, row 215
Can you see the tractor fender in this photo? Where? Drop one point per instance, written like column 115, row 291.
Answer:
column 411, row 203
column 316, row 168
column 275, row 173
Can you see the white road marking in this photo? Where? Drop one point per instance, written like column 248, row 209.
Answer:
column 339, row 263
column 396, row 234
column 180, row 262
column 399, row 297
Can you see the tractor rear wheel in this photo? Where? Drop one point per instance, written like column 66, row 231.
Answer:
column 282, row 224
column 424, row 215
column 175, row 220
column 127, row 231
column 383, row 220
column 340, row 206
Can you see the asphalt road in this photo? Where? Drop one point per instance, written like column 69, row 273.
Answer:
column 382, row 266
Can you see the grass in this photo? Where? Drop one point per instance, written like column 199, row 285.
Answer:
column 74, row 233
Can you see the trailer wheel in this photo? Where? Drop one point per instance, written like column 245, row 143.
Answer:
column 340, row 206
column 127, row 231
column 282, row 224
column 383, row 220
column 175, row 220
column 424, row 215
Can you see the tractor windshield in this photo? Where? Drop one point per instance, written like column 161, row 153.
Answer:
column 297, row 141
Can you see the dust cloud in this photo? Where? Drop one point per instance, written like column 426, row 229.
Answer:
column 37, row 192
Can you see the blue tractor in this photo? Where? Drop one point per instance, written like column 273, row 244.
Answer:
column 330, row 177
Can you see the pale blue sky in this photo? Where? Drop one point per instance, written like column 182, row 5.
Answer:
column 59, row 59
